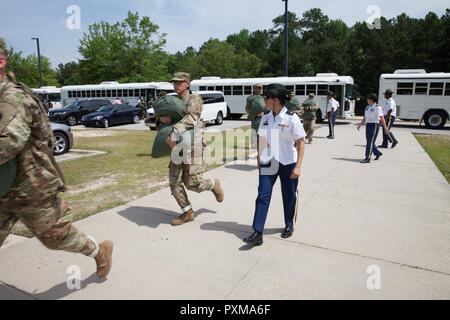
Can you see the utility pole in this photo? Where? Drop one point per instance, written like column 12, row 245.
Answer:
column 286, row 42
column 41, row 84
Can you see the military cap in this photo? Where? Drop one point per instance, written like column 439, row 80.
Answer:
column 372, row 97
column 275, row 90
column 3, row 49
column 258, row 85
column 388, row 92
column 330, row 93
column 181, row 76
column 311, row 95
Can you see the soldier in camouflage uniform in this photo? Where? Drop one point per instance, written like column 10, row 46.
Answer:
column 26, row 136
column 309, row 116
column 190, row 171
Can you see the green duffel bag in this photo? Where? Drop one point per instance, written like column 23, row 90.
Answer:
column 294, row 104
column 161, row 148
column 8, row 174
column 170, row 106
column 255, row 123
column 256, row 105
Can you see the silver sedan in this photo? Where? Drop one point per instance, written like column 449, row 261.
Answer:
column 63, row 138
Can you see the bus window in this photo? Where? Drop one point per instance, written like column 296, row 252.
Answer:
column 103, row 93
column 447, row 89
column 136, row 93
column 311, row 88
column 436, row 88
column 219, row 88
column 349, row 91
column 88, row 94
column 78, row 94
column 300, row 90
column 98, row 94
column 237, row 90
column 202, row 88
column 125, row 93
column 421, row 88
column 210, row 88
column 119, row 93
column 83, row 94
column 130, row 92
column 70, row 94
column 290, row 88
column 247, row 90
column 108, row 93
column 227, row 90
column 405, row 88
column 322, row 89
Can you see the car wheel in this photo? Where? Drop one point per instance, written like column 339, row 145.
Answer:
column 71, row 120
column 435, row 120
column 105, row 123
column 219, row 119
column 61, row 143
column 136, row 119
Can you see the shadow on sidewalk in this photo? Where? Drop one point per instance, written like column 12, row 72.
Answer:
column 239, row 230
column 61, row 291
column 347, row 159
column 241, row 167
column 153, row 217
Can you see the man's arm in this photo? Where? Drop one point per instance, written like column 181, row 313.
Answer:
column 194, row 110
column 14, row 132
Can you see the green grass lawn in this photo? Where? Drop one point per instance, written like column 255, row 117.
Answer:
column 438, row 148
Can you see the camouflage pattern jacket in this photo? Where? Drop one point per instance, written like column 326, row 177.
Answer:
column 26, row 134
column 192, row 120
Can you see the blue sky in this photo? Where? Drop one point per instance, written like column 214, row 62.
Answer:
column 186, row 22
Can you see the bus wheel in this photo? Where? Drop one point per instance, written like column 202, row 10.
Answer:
column 435, row 119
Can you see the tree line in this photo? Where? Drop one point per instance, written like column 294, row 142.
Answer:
column 132, row 50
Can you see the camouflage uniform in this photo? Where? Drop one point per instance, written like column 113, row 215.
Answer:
column 26, row 135
column 309, row 117
column 190, row 172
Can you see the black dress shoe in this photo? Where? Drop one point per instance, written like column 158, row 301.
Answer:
column 382, row 146
column 287, row 232
column 365, row 161
column 394, row 144
column 378, row 156
column 255, row 239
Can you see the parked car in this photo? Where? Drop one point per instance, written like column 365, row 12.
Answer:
column 214, row 109
column 72, row 113
column 63, row 138
column 112, row 114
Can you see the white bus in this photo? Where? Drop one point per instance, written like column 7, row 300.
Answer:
column 236, row 91
column 110, row 90
column 50, row 94
column 419, row 95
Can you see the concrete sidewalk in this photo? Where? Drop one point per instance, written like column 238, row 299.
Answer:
column 393, row 214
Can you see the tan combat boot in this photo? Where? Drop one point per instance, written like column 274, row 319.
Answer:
column 188, row 216
column 104, row 258
column 217, row 190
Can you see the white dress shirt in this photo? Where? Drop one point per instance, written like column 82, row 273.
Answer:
column 280, row 132
column 390, row 105
column 373, row 113
column 332, row 105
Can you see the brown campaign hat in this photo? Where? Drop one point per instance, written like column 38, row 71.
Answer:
column 311, row 94
column 181, row 76
column 258, row 85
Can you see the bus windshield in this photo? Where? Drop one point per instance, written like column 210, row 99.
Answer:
column 349, row 91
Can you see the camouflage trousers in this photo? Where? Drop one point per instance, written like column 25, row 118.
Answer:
column 308, row 125
column 46, row 220
column 189, row 176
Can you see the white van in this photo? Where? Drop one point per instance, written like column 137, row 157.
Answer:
column 214, row 109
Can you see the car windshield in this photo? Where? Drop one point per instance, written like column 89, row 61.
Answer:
column 72, row 105
column 106, row 109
